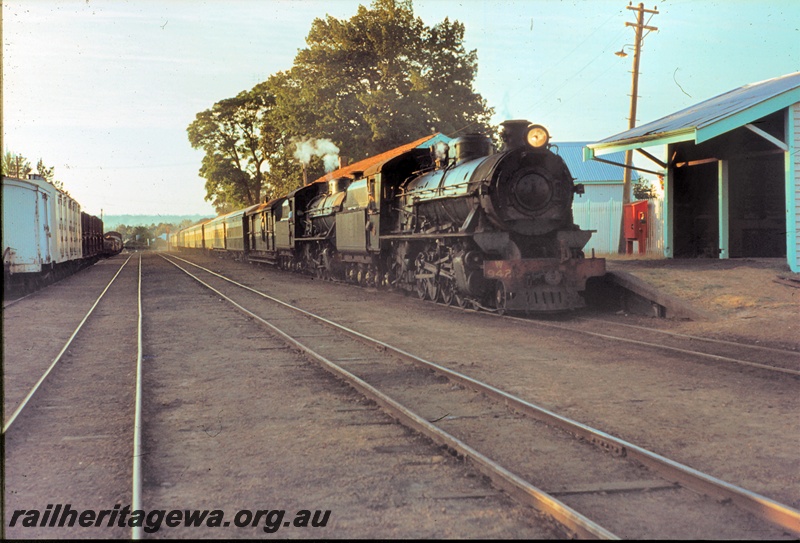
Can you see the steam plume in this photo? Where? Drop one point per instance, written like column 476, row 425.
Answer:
column 441, row 149
column 325, row 149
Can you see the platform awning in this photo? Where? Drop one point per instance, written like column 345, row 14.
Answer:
column 706, row 120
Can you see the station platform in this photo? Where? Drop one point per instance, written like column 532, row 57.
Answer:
column 753, row 298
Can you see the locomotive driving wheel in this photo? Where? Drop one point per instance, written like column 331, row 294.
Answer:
column 427, row 289
column 420, row 284
column 434, row 289
column 421, row 288
column 448, row 290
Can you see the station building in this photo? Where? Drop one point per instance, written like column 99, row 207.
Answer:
column 731, row 172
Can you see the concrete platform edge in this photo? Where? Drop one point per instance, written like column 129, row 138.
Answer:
column 674, row 307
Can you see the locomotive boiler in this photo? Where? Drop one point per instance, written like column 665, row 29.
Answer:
column 495, row 228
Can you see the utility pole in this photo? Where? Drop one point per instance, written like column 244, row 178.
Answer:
column 638, row 26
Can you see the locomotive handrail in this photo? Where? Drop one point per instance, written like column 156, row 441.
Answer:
column 440, row 188
column 417, row 235
column 315, row 238
column 417, row 201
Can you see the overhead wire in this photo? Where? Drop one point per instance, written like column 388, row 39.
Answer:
column 556, row 64
column 570, row 78
column 603, row 51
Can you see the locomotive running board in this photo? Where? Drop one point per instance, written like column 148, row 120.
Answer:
column 426, row 236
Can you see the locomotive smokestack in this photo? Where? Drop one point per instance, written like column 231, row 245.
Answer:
column 513, row 134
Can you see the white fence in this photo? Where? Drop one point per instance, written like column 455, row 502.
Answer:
column 605, row 217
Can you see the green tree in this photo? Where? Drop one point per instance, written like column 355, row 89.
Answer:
column 48, row 174
column 16, row 165
column 230, row 135
column 383, row 78
column 376, row 81
column 142, row 235
column 282, row 125
column 643, row 189
column 123, row 230
column 164, row 228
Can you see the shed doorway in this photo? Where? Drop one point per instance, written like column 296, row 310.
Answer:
column 696, row 211
column 757, row 207
column 756, row 203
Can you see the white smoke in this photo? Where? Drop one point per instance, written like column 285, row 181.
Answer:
column 325, row 149
column 441, row 149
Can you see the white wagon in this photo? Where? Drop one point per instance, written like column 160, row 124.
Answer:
column 41, row 227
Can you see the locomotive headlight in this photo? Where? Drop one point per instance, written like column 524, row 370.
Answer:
column 537, row 136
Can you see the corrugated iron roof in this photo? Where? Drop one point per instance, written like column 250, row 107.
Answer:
column 712, row 117
column 592, row 171
column 362, row 165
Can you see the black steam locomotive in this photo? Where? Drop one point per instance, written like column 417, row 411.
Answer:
column 490, row 230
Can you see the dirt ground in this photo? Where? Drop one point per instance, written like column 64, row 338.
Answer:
column 235, row 421
column 745, row 298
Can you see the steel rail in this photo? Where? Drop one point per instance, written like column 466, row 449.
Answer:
column 63, row 350
column 136, row 493
column 698, row 338
column 780, row 514
column 572, row 521
column 788, row 371
column 12, row 302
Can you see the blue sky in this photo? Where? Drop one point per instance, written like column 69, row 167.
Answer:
column 104, row 90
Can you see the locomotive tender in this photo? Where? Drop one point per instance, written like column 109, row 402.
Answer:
column 486, row 229
column 46, row 236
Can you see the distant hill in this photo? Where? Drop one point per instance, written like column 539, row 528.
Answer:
column 112, row 221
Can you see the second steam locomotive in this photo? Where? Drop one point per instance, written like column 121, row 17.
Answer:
column 481, row 228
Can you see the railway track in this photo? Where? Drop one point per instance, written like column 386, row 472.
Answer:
column 703, row 348
column 72, row 436
column 631, row 492
column 733, row 353
column 739, row 353
column 67, row 445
